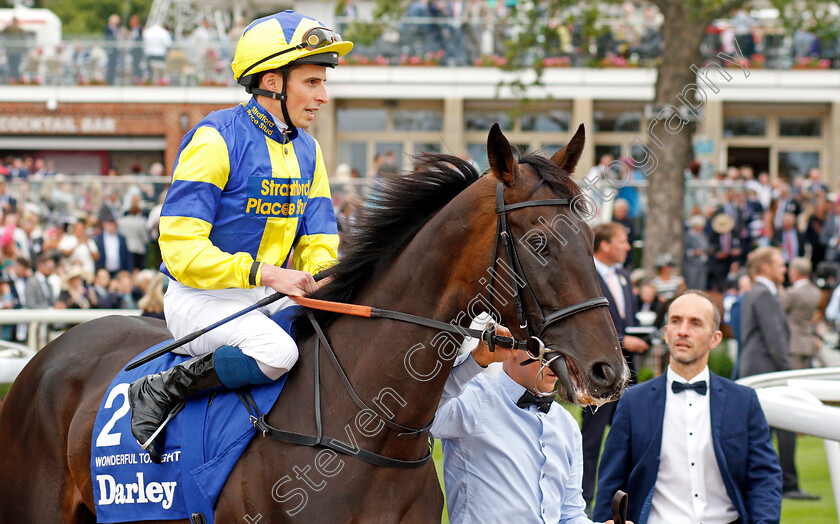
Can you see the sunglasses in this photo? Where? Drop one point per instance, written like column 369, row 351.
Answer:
column 315, row 38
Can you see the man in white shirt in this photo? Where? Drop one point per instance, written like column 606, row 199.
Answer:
column 689, row 446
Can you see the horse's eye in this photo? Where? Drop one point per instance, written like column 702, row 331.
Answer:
column 539, row 247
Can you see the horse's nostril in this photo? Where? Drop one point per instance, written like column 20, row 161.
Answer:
column 602, row 374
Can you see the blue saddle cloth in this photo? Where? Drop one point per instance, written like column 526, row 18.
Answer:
column 203, row 444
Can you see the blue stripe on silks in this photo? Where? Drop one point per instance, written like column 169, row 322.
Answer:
column 192, row 199
column 319, row 218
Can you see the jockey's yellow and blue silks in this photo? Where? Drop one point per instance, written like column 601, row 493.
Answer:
column 239, row 194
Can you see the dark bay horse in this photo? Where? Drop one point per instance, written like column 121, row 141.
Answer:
column 424, row 244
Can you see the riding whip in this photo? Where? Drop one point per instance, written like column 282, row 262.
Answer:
column 195, row 334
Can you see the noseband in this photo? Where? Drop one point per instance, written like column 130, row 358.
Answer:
column 536, row 348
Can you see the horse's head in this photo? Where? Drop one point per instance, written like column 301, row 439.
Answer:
column 550, row 270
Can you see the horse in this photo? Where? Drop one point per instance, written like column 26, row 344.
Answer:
column 425, row 243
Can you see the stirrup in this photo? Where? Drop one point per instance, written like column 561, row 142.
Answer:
column 175, row 410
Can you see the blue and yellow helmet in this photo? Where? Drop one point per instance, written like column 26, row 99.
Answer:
column 274, row 41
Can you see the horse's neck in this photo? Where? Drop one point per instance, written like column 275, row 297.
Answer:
column 436, row 276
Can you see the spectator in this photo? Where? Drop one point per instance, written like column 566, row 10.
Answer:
column 38, row 291
column 725, row 248
column 476, row 413
column 137, row 58
column 14, row 41
column 152, row 302
column 667, row 284
column 112, row 38
column 814, row 231
column 78, row 248
column 734, row 319
column 122, row 285
column 156, row 43
column 621, row 215
column 112, row 247
column 100, row 294
column 800, row 302
column 766, row 346
column 73, row 294
column 789, row 240
column 133, row 227
column 21, row 271
column 649, row 300
column 690, row 446
column 695, row 263
column 611, row 249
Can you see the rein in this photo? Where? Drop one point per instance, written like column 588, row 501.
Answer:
column 533, row 344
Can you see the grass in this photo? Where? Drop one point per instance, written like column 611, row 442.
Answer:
column 813, row 478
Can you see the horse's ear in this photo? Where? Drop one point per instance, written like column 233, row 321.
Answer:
column 500, row 156
column 567, row 158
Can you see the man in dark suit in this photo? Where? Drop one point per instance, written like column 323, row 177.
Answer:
column 689, row 446
column 113, row 249
column 788, row 239
column 611, row 247
column 766, row 345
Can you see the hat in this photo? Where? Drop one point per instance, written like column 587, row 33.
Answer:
column 697, row 221
column 722, row 223
column 74, row 272
column 637, row 275
column 663, row 260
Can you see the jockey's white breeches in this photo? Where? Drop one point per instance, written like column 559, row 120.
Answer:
column 188, row 309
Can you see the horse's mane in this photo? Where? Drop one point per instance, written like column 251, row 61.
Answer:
column 397, row 207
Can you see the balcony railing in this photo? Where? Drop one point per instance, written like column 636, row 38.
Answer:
column 414, row 41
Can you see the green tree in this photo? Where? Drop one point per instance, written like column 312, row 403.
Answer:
column 683, row 28
column 89, row 17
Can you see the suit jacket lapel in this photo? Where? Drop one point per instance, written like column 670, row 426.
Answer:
column 656, row 406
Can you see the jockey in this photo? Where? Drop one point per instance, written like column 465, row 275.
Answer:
column 249, row 186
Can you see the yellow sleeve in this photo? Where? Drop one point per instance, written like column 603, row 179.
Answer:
column 186, row 218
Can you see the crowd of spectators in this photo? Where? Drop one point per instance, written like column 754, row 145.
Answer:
column 458, row 33
column 80, row 246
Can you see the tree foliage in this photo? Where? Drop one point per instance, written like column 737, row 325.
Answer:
column 89, row 17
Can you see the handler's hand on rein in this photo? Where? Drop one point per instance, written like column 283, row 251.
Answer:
column 288, row 281
column 484, row 357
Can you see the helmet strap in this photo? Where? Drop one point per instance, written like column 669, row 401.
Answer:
column 291, row 131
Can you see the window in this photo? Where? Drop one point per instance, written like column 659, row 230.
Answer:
column 546, row 121
column 484, row 120
column 431, row 147
column 612, row 121
column 797, row 163
column 418, row 120
column 357, row 119
column 800, row 127
column 354, row 154
column 601, row 150
column 744, row 126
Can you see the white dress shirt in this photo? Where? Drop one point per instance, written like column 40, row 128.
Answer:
column 774, row 289
column 504, row 464
column 608, row 273
column 688, row 468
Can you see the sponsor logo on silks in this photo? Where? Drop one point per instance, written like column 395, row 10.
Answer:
column 263, row 121
column 112, row 492
column 277, row 197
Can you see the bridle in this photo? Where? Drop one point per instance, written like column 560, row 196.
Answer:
column 535, row 346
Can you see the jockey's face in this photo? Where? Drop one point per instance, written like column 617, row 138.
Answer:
column 306, row 93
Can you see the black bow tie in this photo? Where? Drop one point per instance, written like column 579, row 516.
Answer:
column 529, row 399
column 679, row 387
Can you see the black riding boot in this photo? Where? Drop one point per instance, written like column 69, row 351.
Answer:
column 152, row 397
